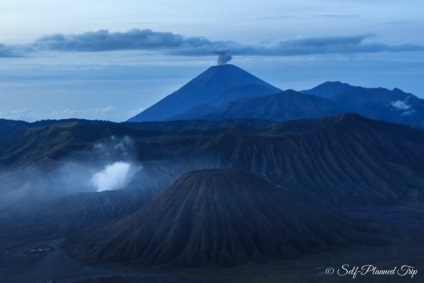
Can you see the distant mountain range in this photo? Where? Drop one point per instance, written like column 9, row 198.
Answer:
column 393, row 106
column 342, row 160
column 228, row 92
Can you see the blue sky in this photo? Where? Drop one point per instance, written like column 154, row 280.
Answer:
column 111, row 59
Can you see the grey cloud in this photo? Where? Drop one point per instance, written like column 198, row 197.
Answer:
column 330, row 45
column 175, row 44
column 223, row 57
column 8, row 51
column 135, row 39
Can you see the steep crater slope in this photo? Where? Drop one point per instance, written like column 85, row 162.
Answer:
column 218, row 217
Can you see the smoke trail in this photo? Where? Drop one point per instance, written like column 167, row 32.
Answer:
column 223, row 57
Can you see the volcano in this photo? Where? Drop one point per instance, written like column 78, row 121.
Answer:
column 219, row 218
column 215, row 87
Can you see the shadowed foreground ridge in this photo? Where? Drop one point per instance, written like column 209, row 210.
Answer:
column 217, row 217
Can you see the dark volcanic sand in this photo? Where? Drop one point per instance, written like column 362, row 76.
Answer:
column 57, row 266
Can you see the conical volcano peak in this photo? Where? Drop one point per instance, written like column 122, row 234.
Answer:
column 225, row 67
column 221, row 218
column 215, row 87
column 232, row 73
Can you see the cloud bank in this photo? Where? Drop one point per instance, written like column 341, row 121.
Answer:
column 8, row 51
column 175, row 44
column 329, row 45
column 135, row 39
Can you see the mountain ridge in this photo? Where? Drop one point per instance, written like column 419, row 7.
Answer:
column 343, row 160
column 214, row 87
column 393, row 106
column 228, row 92
column 282, row 106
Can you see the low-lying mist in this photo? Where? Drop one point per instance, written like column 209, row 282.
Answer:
column 104, row 166
column 108, row 164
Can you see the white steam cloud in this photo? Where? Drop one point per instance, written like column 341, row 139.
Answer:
column 118, row 165
column 399, row 104
column 113, row 177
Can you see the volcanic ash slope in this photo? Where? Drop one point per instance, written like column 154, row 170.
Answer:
column 217, row 217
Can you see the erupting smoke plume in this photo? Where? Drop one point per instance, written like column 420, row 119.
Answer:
column 118, row 166
column 113, row 176
column 223, row 57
